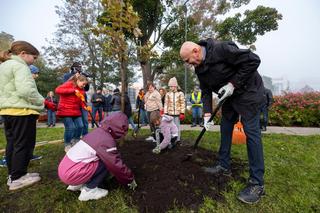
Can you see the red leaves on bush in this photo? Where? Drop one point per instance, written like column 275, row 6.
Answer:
column 296, row 109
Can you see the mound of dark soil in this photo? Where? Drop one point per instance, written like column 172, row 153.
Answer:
column 170, row 179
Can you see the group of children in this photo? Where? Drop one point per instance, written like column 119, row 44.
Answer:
column 89, row 159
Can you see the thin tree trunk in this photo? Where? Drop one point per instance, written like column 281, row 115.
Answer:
column 124, row 83
column 146, row 74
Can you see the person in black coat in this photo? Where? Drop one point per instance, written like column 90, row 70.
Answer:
column 223, row 68
column 107, row 105
column 115, row 101
column 98, row 103
column 265, row 109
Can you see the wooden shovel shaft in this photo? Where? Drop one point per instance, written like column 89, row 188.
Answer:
column 220, row 103
column 90, row 113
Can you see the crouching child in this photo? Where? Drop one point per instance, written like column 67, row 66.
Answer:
column 166, row 131
column 94, row 157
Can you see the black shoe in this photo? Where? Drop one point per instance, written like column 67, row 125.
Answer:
column 264, row 128
column 251, row 194
column 217, row 170
column 193, row 125
column 201, row 125
column 172, row 145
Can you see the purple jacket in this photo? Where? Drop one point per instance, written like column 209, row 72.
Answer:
column 81, row 161
column 102, row 140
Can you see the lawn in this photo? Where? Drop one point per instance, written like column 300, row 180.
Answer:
column 292, row 179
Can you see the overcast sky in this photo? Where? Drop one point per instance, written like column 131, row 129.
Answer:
column 291, row 53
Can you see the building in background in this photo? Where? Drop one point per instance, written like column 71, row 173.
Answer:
column 277, row 85
column 280, row 85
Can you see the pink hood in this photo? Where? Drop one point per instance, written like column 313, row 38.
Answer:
column 116, row 124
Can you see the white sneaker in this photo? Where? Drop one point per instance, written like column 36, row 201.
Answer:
column 92, row 194
column 75, row 188
column 150, row 139
column 9, row 180
column 28, row 174
column 23, row 181
column 34, row 174
column 67, row 148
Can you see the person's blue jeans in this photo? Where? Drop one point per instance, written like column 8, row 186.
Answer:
column 196, row 115
column 73, row 128
column 51, row 117
column 84, row 115
column 130, row 121
column 265, row 115
column 254, row 145
column 143, row 117
column 94, row 112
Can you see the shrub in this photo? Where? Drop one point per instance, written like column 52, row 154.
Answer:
column 296, row 109
column 289, row 109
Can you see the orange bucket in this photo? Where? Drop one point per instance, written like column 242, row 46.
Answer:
column 238, row 135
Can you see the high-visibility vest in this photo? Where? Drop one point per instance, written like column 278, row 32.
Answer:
column 197, row 102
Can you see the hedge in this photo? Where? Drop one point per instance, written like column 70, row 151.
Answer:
column 289, row 109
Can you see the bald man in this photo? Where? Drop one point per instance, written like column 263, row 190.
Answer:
column 222, row 67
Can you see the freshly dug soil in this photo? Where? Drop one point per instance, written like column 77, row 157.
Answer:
column 170, row 179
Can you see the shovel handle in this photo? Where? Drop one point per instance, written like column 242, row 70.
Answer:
column 220, row 103
column 90, row 113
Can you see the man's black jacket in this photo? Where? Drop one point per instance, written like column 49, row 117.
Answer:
column 225, row 62
column 96, row 103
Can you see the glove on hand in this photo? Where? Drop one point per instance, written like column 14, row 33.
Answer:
column 157, row 150
column 88, row 108
column 161, row 112
column 181, row 117
column 208, row 125
column 226, row 90
column 79, row 95
column 132, row 185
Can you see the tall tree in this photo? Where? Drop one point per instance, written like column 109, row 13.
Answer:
column 5, row 40
column 155, row 17
column 75, row 41
column 203, row 22
column 48, row 78
column 118, row 20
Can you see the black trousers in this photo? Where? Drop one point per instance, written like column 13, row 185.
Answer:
column 20, row 133
column 98, row 177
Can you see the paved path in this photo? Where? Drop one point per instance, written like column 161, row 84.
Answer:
column 270, row 129
column 275, row 129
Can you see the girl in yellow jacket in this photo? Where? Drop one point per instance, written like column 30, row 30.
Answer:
column 174, row 104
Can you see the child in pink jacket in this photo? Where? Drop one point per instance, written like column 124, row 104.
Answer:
column 167, row 134
column 93, row 158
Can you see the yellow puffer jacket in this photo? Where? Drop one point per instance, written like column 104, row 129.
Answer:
column 174, row 103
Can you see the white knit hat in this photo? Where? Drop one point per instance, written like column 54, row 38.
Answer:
column 173, row 82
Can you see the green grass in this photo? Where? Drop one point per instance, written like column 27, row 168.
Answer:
column 292, row 179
